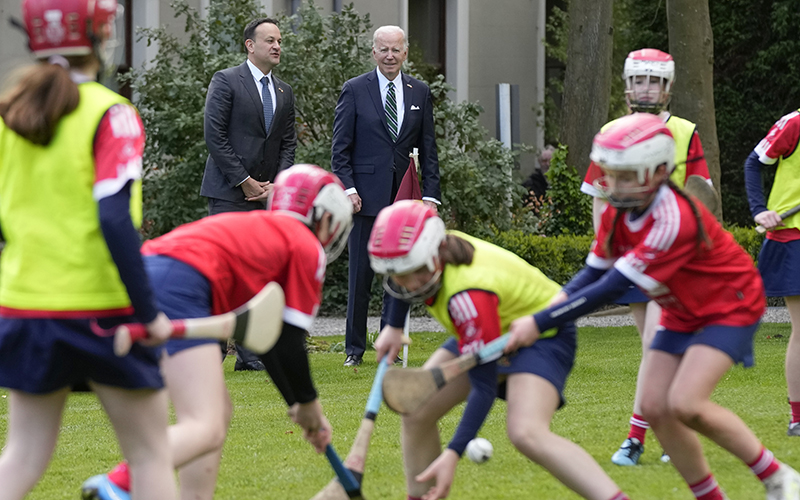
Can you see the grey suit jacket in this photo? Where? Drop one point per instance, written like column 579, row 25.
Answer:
column 238, row 145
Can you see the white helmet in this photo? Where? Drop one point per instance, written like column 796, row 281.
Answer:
column 308, row 192
column 639, row 143
column 406, row 237
column 648, row 62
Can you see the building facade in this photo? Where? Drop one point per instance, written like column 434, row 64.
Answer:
column 476, row 44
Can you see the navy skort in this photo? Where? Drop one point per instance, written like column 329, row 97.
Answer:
column 735, row 341
column 551, row 358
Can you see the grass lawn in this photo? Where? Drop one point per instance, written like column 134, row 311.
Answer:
column 265, row 456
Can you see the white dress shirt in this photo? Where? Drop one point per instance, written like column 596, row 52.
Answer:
column 257, row 76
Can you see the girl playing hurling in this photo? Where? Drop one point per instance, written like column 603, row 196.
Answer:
column 475, row 289
column 654, row 236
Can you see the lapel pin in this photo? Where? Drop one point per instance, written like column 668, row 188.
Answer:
column 279, row 88
column 409, row 85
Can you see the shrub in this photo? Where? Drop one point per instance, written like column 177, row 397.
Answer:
column 565, row 210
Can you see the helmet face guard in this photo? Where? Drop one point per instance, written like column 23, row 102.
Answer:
column 637, row 143
column 421, row 294
column 644, row 64
column 632, row 197
column 331, row 199
column 307, row 193
column 405, row 238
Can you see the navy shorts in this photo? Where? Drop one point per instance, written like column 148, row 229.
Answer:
column 551, row 358
column 634, row 295
column 779, row 264
column 735, row 341
column 181, row 292
column 39, row 356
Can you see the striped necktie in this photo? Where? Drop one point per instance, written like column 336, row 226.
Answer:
column 391, row 111
column 266, row 100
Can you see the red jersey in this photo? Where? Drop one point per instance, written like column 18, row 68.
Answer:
column 695, row 286
column 118, row 149
column 475, row 317
column 240, row 252
column 781, row 141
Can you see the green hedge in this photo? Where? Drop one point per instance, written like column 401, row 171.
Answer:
column 559, row 258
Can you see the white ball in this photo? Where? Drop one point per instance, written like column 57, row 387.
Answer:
column 479, row 450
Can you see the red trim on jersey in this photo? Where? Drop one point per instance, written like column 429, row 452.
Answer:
column 475, row 318
column 696, row 158
column 784, row 235
column 118, row 150
column 10, row 312
column 781, row 140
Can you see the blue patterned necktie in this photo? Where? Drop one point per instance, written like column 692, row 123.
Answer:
column 266, row 100
column 391, row 111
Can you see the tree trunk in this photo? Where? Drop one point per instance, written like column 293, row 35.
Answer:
column 587, row 82
column 691, row 44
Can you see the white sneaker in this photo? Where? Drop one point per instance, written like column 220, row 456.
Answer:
column 784, row 484
column 794, row 429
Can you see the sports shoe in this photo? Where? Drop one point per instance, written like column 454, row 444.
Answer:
column 783, row 485
column 794, row 429
column 628, row 453
column 101, row 488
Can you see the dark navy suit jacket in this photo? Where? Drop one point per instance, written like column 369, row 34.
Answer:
column 363, row 154
column 238, row 144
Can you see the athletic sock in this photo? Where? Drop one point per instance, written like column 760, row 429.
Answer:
column 639, row 427
column 707, row 489
column 620, row 496
column 120, row 476
column 765, row 465
column 795, row 411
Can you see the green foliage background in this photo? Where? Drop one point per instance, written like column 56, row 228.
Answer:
column 756, row 63
column 479, row 184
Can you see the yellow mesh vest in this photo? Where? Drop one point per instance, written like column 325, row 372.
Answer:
column 56, row 258
column 682, row 131
column 785, row 192
column 521, row 288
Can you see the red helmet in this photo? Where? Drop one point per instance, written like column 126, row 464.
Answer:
column 308, row 192
column 647, row 63
column 406, row 237
column 66, row 27
column 640, row 143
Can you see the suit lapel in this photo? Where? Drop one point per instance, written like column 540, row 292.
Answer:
column 408, row 92
column 250, row 85
column 373, row 87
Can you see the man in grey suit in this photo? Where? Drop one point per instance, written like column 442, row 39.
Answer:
column 250, row 134
column 249, row 125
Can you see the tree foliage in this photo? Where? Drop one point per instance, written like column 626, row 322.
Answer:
column 319, row 54
column 170, row 94
column 756, row 63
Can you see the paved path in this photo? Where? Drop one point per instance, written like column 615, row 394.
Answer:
column 335, row 326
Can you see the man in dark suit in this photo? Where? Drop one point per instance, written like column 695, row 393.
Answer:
column 250, row 134
column 380, row 118
column 249, row 126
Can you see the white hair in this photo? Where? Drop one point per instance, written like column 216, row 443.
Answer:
column 389, row 30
